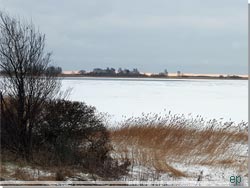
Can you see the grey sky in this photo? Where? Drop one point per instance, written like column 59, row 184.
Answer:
column 199, row 36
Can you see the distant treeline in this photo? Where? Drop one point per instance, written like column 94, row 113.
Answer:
column 112, row 72
column 121, row 72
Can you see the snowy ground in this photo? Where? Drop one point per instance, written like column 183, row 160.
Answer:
column 143, row 173
column 208, row 175
column 213, row 175
column 122, row 97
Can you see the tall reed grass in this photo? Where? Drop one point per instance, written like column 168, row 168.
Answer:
column 157, row 142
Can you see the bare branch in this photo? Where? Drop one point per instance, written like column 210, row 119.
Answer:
column 27, row 83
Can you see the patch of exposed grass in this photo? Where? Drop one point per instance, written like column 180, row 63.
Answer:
column 3, row 171
column 21, row 174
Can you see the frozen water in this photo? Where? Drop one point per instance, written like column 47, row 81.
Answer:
column 128, row 97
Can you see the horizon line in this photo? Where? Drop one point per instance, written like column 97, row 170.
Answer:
column 170, row 73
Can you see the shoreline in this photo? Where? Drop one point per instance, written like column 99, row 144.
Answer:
column 158, row 77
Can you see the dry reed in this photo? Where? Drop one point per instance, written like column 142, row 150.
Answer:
column 156, row 141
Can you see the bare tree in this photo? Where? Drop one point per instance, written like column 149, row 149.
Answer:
column 26, row 84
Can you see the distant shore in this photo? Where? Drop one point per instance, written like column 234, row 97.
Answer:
column 184, row 76
column 149, row 75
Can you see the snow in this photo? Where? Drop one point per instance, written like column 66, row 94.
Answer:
column 211, row 174
column 140, row 175
column 124, row 98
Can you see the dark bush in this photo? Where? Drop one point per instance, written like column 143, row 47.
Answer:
column 60, row 176
column 66, row 134
column 11, row 135
column 74, row 135
column 71, row 129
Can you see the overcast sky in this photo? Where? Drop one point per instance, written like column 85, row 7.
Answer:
column 193, row 36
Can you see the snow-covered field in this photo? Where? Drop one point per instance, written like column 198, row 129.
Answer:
column 128, row 97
